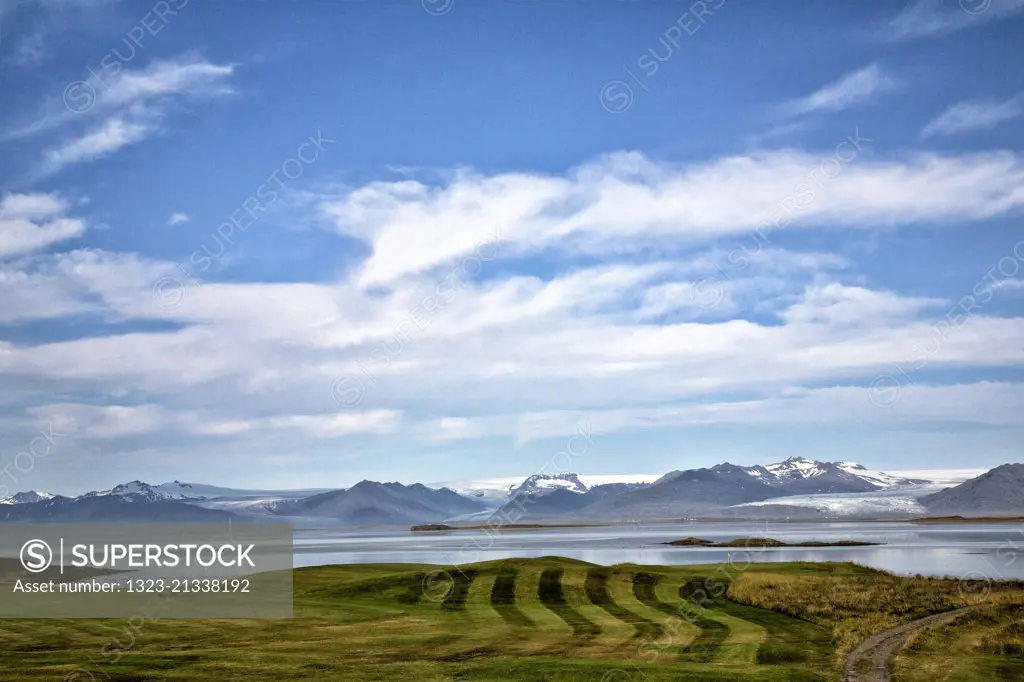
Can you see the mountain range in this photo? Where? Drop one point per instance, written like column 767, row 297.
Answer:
column 372, row 503
column 796, row 487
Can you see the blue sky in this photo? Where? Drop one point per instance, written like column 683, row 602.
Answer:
column 302, row 244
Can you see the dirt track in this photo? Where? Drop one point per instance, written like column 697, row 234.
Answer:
column 872, row 660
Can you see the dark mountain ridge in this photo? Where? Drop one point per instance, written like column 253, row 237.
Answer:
column 997, row 492
column 373, row 503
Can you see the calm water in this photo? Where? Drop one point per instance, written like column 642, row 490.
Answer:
column 977, row 550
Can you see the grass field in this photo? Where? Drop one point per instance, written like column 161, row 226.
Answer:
column 537, row 619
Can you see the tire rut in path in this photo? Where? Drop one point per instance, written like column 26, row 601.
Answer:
column 871, row 660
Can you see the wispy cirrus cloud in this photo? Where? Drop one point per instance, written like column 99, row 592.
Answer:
column 113, row 134
column 29, row 50
column 131, row 105
column 853, row 88
column 975, row 114
column 188, row 76
column 933, row 17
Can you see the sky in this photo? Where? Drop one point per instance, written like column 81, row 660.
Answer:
column 300, row 244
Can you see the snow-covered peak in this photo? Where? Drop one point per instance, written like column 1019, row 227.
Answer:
column 796, row 467
column 879, row 478
column 139, row 490
column 27, row 497
column 176, row 490
column 496, row 491
column 546, row 483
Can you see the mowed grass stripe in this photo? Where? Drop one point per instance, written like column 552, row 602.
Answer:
column 478, row 599
column 615, row 635
column 461, row 579
column 503, row 599
column 413, row 589
column 549, row 591
column 597, row 587
column 679, row 620
column 705, row 645
column 788, row 640
column 741, row 644
column 549, row 627
column 480, row 631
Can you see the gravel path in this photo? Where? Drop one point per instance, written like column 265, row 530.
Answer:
column 872, row 660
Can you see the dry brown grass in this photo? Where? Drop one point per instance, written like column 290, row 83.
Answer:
column 856, row 606
column 985, row 644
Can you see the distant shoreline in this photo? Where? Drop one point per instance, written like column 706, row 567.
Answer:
column 924, row 520
column 969, row 519
column 436, row 527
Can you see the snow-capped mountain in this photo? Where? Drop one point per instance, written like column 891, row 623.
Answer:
column 239, row 501
column 798, row 474
column 837, row 488
column 539, row 484
column 497, row 491
column 138, row 490
column 27, row 497
column 895, row 499
column 801, row 476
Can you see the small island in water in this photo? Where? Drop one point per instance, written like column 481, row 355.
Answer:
column 765, row 542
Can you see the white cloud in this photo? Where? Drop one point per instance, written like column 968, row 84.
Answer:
column 346, row 423
column 1008, row 284
column 151, row 89
column 933, row 17
column 520, row 342
column 853, row 88
column 189, row 76
column 132, row 103
column 995, row 404
column 31, row 206
column 622, row 202
column 29, row 222
column 115, row 133
column 520, row 352
column 978, row 114
column 119, row 421
column 836, row 304
column 102, row 421
column 692, row 298
column 177, row 218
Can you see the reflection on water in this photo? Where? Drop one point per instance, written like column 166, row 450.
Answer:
column 991, row 550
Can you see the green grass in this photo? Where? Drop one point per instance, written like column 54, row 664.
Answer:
column 516, row 619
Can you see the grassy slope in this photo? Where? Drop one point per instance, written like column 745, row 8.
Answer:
column 538, row 619
column 541, row 619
